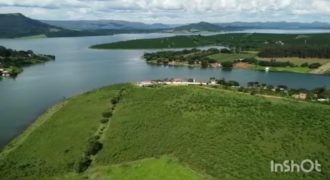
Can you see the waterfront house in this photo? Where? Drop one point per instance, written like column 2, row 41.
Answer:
column 145, row 83
column 301, row 96
column 215, row 65
column 323, row 100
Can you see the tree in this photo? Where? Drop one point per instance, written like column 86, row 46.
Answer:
column 115, row 100
column 82, row 164
column 93, row 146
column 314, row 65
column 226, row 51
column 205, row 64
column 227, row 64
column 107, row 114
column 304, row 65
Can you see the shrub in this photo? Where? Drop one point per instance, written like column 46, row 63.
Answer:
column 105, row 120
column 93, row 147
column 205, row 64
column 107, row 114
column 314, row 65
column 225, row 50
column 233, row 83
column 250, row 60
column 227, row 64
column 115, row 100
column 82, row 165
column 304, row 65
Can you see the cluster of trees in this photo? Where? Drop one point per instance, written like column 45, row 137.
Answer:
column 306, row 51
column 192, row 56
column 229, row 83
column 274, row 63
column 311, row 66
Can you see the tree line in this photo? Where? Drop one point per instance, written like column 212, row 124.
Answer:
column 306, row 51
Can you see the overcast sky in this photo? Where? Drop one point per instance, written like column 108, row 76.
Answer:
column 172, row 11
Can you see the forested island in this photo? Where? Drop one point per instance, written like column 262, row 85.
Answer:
column 13, row 61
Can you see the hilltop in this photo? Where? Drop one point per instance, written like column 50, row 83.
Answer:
column 201, row 26
column 18, row 25
column 174, row 132
column 105, row 24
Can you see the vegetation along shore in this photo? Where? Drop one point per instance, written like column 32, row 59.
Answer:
column 229, row 58
column 12, row 61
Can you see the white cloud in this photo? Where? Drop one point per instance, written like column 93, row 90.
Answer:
column 172, row 11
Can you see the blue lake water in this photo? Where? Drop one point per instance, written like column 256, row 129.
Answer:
column 78, row 69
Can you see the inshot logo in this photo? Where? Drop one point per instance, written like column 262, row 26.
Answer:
column 305, row 166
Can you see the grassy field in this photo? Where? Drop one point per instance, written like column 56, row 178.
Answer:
column 165, row 168
column 223, row 57
column 298, row 61
column 283, row 69
column 223, row 134
column 175, row 133
column 57, row 140
column 247, row 40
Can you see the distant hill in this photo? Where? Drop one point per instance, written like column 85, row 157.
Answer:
column 17, row 25
column 273, row 25
column 106, row 24
column 201, row 26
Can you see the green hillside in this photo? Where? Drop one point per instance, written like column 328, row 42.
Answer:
column 17, row 25
column 189, row 132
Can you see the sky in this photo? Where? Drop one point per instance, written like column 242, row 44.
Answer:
column 172, row 11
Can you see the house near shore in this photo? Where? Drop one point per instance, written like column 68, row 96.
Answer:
column 213, row 82
column 4, row 73
column 301, row 96
column 145, row 83
column 215, row 65
column 323, row 100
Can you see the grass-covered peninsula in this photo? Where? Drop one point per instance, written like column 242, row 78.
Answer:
column 12, row 61
column 176, row 132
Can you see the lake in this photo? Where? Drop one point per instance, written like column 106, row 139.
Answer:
column 78, row 69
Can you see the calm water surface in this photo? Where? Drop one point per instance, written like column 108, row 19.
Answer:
column 78, row 69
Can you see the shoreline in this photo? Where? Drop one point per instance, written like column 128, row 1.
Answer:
column 15, row 141
column 251, row 68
